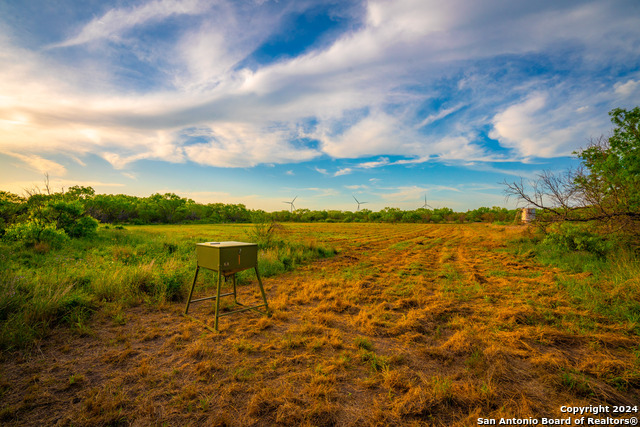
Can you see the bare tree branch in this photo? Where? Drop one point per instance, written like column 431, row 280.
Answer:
column 47, row 188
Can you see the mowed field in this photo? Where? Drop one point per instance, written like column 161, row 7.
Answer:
column 407, row 325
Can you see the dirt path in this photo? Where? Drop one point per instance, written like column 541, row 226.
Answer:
column 433, row 325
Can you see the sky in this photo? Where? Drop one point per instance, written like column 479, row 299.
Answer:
column 258, row 101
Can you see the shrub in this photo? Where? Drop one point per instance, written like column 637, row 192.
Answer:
column 570, row 237
column 83, row 227
column 34, row 232
column 173, row 286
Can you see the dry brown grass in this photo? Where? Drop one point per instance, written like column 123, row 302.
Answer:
column 408, row 324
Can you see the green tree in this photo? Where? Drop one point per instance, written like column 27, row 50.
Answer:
column 70, row 217
column 50, row 218
column 392, row 215
column 236, row 213
column 611, row 182
column 445, row 214
column 78, row 192
column 112, row 208
column 164, row 208
column 411, row 216
column 606, row 188
column 11, row 207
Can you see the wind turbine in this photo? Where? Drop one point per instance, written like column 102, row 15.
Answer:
column 425, row 203
column 359, row 203
column 291, row 203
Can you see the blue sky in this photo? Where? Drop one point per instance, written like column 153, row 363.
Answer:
column 259, row 101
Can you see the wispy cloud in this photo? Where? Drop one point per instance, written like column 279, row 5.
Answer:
column 40, row 164
column 343, row 171
column 439, row 115
column 356, row 187
column 116, row 21
column 383, row 161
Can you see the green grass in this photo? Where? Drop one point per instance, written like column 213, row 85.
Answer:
column 400, row 246
column 358, row 271
column 401, row 289
column 375, row 362
column 607, row 286
column 576, row 382
column 363, row 343
column 40, row 289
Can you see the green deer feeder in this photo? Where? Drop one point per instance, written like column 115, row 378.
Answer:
column 227, row 259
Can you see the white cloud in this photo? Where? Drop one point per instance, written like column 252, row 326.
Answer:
column 440, row 115
column 40, row 164
column 383, row 161
column 119, row 161
column 516, row 127
column 206, row 55
column 375, row 134
column 343, row 171
column 243, row 145
column 545, row 127
column 416, row 160
column 631, row 87
column 116, row 21
column 460, row 148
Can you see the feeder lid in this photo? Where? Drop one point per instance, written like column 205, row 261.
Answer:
column 224, row 244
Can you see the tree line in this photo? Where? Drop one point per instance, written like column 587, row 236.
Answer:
column 77, row 212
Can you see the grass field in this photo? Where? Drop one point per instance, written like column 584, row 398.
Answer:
column 408, row 324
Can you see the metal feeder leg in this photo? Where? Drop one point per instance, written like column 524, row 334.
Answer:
column 215, row 326
column 186, row 310
column 235, row 298
column 264, row 296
